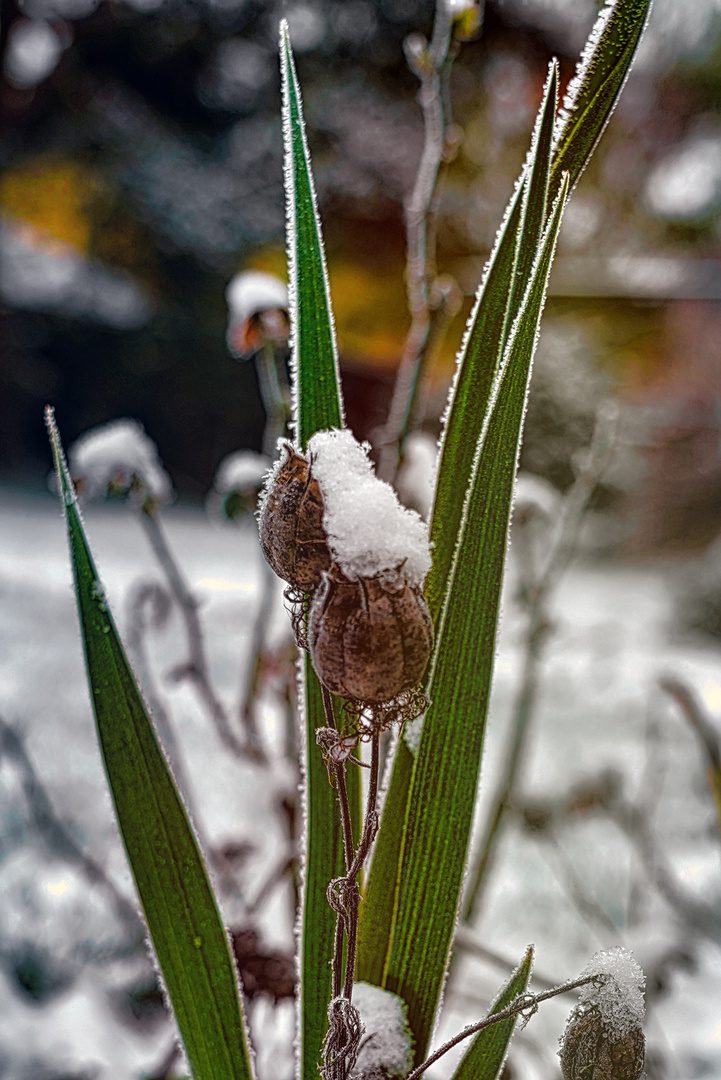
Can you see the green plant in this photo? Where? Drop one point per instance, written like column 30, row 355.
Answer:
column 399, row 936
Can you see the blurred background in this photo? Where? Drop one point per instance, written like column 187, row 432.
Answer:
column 140, row 170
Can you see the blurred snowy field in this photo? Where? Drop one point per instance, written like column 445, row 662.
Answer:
column 67, row 986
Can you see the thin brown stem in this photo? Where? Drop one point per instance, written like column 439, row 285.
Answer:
column 428, row 62
column 523, row 1003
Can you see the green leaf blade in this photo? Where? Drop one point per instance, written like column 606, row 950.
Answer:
column 180, row 910
column 438, row 829
column 318, row 403
column 600, row 77
column 485, row 341
column 484, row 1058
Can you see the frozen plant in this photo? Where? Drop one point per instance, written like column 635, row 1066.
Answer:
column 118, row 458
column 385, row 630
column 237, row 483
column 386, row 1049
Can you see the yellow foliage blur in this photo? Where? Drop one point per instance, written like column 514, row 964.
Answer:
column 53, row 195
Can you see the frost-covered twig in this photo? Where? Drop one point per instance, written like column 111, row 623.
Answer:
column 195, row 668
column 431, row 63
column 537, row 595
column 524, row 1003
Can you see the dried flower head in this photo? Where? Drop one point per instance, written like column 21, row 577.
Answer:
column 604, row 1038
column 290, row 523
column 369, row 639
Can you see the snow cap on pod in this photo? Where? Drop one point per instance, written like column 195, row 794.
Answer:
column 107, row 459
column 237, row 484
column 387, row 1047
column 604, row 1037
column 369, row 532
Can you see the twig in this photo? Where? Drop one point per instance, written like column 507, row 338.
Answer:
column 524, row 1003
column 429, row 62
column 196, row 667
column 274, row 393
column 537, row 595
column 255, row 662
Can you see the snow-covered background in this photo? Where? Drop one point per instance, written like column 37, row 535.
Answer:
column 75, row 1003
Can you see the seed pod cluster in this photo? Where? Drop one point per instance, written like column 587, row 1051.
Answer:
column 370, row 636
column 291, row 525
column 369, row 639
column 592, row 1051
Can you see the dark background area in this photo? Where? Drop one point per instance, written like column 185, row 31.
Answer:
column 143, row 168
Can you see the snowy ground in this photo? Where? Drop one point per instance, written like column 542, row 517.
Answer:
column 571, row 890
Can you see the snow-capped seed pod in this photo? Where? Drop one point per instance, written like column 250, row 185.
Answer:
column 604, row 1038
column 369, row 639
column 590, row 1052
column 290, row 524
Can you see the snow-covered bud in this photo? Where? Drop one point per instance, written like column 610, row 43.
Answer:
column 290, row 523
column 116, row 459
column 604, row 1037
column 370, row 639
column 386, row 1050
column 238, row 483
column 257, row 310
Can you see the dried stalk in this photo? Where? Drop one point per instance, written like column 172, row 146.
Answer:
column 431, row 63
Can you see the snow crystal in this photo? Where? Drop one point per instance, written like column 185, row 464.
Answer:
column 116, row 452
column 254, row 291
column 619, row 999
column 239, row 470
column 387, row 1043
column 369, row 532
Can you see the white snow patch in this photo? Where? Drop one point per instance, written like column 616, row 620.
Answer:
column 254, row 291
column 387, row 1042
column 619, row 999
column 416, row 476
column 117, row 451
column 369, row 532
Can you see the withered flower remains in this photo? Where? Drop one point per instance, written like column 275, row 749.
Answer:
column 291, row 524
column 369, row 639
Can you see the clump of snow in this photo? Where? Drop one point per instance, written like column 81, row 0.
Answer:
column 417, row 473
column 369, row 532
column 241, row 470
column 254, row 291
column 387, row 1043
column 113, row 454
column 618, row 999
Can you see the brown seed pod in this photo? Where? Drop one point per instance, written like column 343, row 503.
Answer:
column 291, row 525
column 591, row 1052
column 369, row 639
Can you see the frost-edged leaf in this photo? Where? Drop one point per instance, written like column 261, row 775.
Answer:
column 317, row 403
column 180, row 910
column 483, row 1060
column 445, row 774
column 317, row 406
column 592, row 95
column 477, row 370
column 498, row 297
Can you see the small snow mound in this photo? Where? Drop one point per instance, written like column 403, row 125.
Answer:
column 387, row 1043
column 241, row 470
column 369, row 532
column 619, row 999
column 254, row 291
column 114, row 453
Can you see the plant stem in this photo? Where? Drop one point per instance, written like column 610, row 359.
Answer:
column 430, row 63
column 523, row 1003
column 196, row 667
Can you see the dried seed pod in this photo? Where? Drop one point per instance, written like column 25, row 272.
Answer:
column 369, row 639
column 291, row 525
column 592, row 1051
